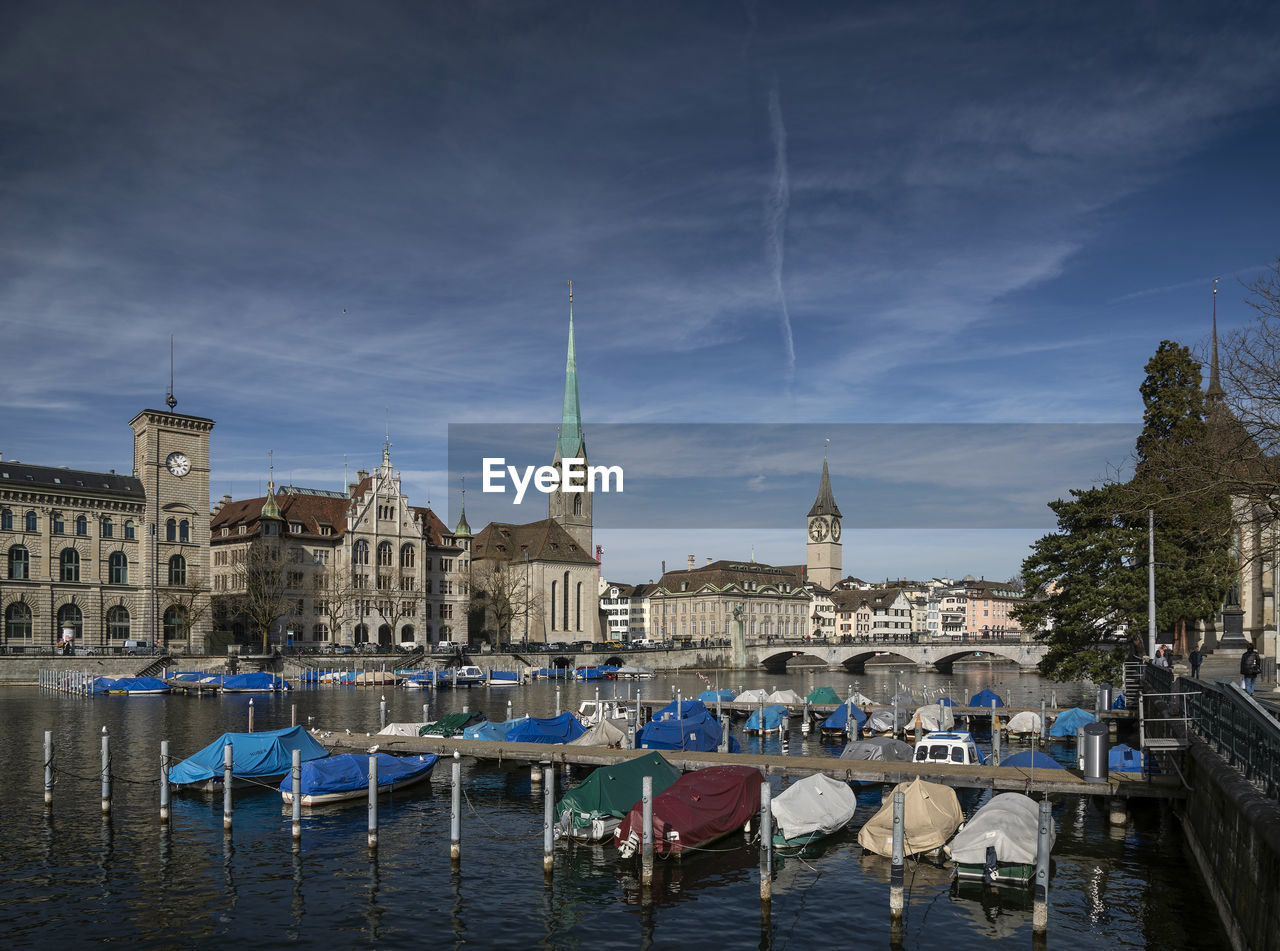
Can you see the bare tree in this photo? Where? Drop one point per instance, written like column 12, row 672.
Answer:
column 334, row 596
column 262, row 593
column 500, row 593
column 193, row 601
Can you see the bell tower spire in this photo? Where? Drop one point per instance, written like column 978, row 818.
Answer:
column 1215, row 392
column 823, row 561
column 571, row 509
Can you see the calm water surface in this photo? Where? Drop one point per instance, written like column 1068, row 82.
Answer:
column 76, row 879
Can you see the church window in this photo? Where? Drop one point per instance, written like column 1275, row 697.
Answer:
column 564, row 612
column 408, row 556
column 577, row 504
column 69, row 563
column 118, row 568
column 19, row 563
column 82, row 525
column 577, row 607
column 553, row 605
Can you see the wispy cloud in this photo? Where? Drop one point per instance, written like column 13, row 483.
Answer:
column 776, row 206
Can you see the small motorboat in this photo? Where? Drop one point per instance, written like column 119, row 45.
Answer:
column 788, row 697
column 822, row 695
column 811, row 809
column 259, row 760
column 931, row 814
column 693, row 812
column 137, row 686
column 999, row 844
column 838, row 723
column 933, row 717
column 505, row 678
column 684, row 725
column 1067, row 723
column 257, row 682
column 878, row 748
column 636, row 672
column 346, row 776
column 954, row 747
column 596, row 806
column 986, row 698
column 1023, row 724
column 559, row 729
column 468, row 675
column 766, row 720
column 1032, row 759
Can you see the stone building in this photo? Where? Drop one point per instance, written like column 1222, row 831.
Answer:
column 698, row 602
column 105, row 557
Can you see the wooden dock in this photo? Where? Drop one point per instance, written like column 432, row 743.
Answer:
column 824, row 710
column 998, row 778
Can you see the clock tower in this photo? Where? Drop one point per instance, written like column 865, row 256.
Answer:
column 171, row 459
column 823, row 561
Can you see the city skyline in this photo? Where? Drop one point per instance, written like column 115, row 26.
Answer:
column 355, row 222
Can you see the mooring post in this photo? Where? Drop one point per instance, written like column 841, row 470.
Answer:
column 766, row 848
column 251, row 714
column 424, row 713
column 373, row 801
column 557, row 701
column 455, row 817
column 106, row 771
column 466, row 708
column 784, row 728
column 1040, row 895
column 896, row 871
column 227, row 758
column 724, row 734
column 1118, row 813
column 679, row 707
column 48, row 769
column 164, row 782
column 382, row 713
column 510, row 715
column 804, row 723
column 293, row 714
column 1043, row 721
column 297, row 795
column 535, row 778
column 995, row 742
column 646, row 831
column 548, row 819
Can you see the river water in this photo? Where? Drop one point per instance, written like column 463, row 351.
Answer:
column 73, row 878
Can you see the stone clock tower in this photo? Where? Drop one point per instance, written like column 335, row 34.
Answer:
column 171, row 458
column 823, row 561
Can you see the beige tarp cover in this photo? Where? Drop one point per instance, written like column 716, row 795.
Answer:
column 752, row 696
column 604, row 733
column 1024, row 722
column 401, row 729
column 932, row 717
column 784, row 696
column 931, row 815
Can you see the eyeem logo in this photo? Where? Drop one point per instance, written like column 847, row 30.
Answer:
column 574, row 475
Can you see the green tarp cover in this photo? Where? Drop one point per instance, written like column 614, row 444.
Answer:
column 451, row 724
column 613, row 790
column 823, row 695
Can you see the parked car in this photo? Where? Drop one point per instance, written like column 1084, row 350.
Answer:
column 83, row 651
column 134, row 648
column 447, row 647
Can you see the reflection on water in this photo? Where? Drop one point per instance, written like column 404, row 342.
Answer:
column 72, row 876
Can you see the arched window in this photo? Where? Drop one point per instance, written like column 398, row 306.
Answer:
column 31, row 521
column 17, row 622
column 171, row 530
column 69, row 616
column 360, row 634
column 564, row 610
column 384, row 634
column 59, row 526
column 108, row 528
column 184, row 531
column 384, row 554
column 177, row 570
column 69, row 563
column 360, row 553
column 577, row 504
column 6, row 521
column 118, row 623
column 118, row 568
column 407, row 556
column 577, row 609
column 19, row 563
column 320, row 632
column 82, row 525
column 175, row 622
column 553, row 605
column 130, row 530
column 406, row 634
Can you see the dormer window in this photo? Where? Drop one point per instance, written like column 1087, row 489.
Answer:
column 295, row 528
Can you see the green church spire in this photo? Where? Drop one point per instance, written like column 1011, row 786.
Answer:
column 570, row 444
column 463, row 530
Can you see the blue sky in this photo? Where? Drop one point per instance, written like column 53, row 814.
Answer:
column 825, row 214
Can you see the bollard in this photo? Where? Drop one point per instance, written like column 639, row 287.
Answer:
column 509, row 713
column 251, row 714
column 724, row 734
column 455, row 818
column 382, row 713
column 293, row 714
column 995, row 744
column 297, row 795
column 227, row 759
column 373, row 802
column 804, row 724
column 106, row 772
column 896, row 871
column 1043, row 713
column 164, row 782
column 424, row 713
column 1044, row 842
column 557, row 701
column 766, row 847
column 646, row 831
column 48, row 769
column 548, row 811
column 784, row 729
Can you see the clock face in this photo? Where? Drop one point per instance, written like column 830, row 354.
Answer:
column 818, row 529
column 835, row 529
column 178, row 464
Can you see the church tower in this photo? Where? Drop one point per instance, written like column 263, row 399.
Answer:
column 572, row 510
column 823, row 561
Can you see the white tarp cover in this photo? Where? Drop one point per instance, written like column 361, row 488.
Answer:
column 401, row 729
column 752, row 696
column 1010, row 822
column 784, row 696
column 882, row 721
column 933, row 717
column 1024, row 722
column 816, row 803
column 931, row 815
column 878, row 748
column 861, row 699
column 604, row 733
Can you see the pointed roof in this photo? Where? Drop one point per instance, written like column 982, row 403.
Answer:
column 269, row 507
column 1215, row 392
column 463, row 530
column 570, row 444
column 825, row 503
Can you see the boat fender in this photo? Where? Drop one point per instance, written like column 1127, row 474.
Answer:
column 991, row 871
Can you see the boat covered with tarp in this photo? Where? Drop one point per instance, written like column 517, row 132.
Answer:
column 885, row 720
column 931, row 815
column 810, row 809
column 505, row 678
column 402, row 729
column 256, row 758
column 838, row 721
column 602, row 733
column 752, row 696
column 784, row 696
column 257, row 682
column 635, row 672
column 724, row 695
column 491, row 730
column 346, row 776
column 1068, row 722
column 986, row 698
column 696, row 729
column 933, row 716
column 591, row 810
column 822, row 695
column 999, row 844
column 697, row 809
column 1023, row 723
column 902, row 699
column 878, row 748
column 451, row 724
column 102, row 684
column 138, row 686
column 559, row 729
column 1123, row 758
column 1032, row 759
column 773, row 715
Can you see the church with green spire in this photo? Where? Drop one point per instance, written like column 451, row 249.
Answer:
column 571, row 510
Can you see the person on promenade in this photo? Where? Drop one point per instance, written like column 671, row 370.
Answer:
column 1197, row 658
column 1250, row 667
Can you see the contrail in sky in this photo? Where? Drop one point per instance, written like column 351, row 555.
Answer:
column 776, row 206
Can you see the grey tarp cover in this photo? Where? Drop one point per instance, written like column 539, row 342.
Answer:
column 878, row 748
column 816, row 803
column 931, row 816
column 1024, row 722
column 882, row 721
column 604, row 733
column 932, row 717
column 784, row 696
column 1010, row 822
column 752, row 696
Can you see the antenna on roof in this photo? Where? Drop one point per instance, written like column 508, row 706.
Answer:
column 345, row 488
column 169, row 399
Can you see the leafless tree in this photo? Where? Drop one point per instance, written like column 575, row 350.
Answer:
column 334, row 595
column 193, row 601
column 500, row 593
column 262, row 594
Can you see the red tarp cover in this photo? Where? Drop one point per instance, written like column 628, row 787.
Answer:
column 700, row 806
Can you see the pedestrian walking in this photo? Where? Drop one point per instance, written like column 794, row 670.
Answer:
column 1197, row 658
column 1250, row 667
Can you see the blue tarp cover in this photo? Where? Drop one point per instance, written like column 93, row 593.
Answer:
column 348, row 772
column 945, row 702
column 559, row 729
column 773, row 715
column 1032, row 759
column 983, row 698
column 490, row 730
column 1124, row 759
column 1118, row 703
column 1068, row 721
column 102, row 684
column 711, row 696
column 260, row 680
column 699, row 732
column 139, row 684
column 840, row 716
column 688, row 708
column 254, row 755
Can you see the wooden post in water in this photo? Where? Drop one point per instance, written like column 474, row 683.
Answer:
column 296, row 776
column 164, row 782
column 48, row 769
column 724, row 734
column 646, row 832
column 373, row 801
column 1040, row 893
column 251, row 714
column 106, row 772
column 896, row 870
column 455, row 816
column 766, row 848
column 548, row 820
column 557, row 701
column 424, row 713
column 804, row 724
column 293, row 714
column 227, row 759
column 382, row 713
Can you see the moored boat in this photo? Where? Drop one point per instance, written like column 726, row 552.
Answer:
column 999, row 844
column 766, row 720
column 954, row 747
column 596, row 806
column 931, row 815
column 258, row 759
column 811, row 809
column 693, row 812
column 255, row 682
column 346, row 776
column 137, row 686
